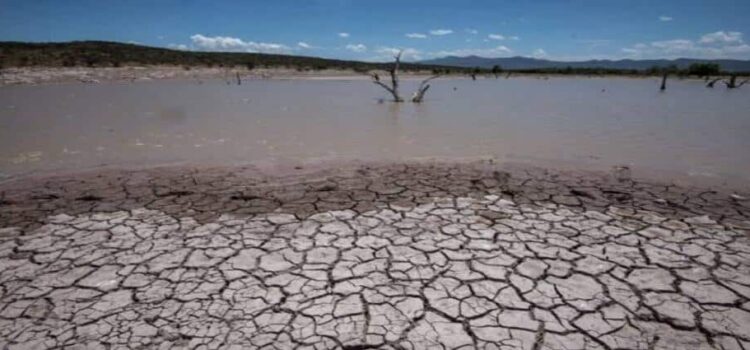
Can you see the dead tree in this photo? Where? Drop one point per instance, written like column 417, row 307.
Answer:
column 732, row 83
column 712, row 82
column 418, row 95
column 393, row 89
column 423, row 87
column 664, row 81
column 227, row 76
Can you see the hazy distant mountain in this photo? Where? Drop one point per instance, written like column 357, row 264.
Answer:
column 534, row 63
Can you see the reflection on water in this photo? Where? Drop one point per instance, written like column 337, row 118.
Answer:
column 688, row 129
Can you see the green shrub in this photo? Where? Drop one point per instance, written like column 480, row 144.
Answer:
column 704, row 69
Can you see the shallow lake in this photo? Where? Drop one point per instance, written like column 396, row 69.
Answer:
column 599, row 122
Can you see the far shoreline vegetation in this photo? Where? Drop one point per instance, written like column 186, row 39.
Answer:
column 99, row 54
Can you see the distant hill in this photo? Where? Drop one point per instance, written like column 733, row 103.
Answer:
column 520, row 63
column 114, row 54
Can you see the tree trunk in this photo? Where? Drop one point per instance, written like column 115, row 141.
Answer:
column 664, row 82
column 393, row 89
column 732, row 84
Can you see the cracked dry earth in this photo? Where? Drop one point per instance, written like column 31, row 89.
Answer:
column 416, row 256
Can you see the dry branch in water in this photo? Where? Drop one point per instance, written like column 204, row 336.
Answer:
column 712, row 82
column 423, row 87
column 393, row 89
column 732, row 83
column 418, row 95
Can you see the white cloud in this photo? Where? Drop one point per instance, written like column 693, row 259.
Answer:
column 721, row 37
column 225, row 43
column 356, row 47
column 304, row 45
column 472, row 31
column 343, row 35
column 539, row 53
column 416, row 35
column 665, row 18
column 673, row 45
column 441, row 32
column 712, row 45
column 497, row 51
column 502, row 37
column 407, row 54
column 182, row 47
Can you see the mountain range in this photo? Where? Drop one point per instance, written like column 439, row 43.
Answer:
column 518, row 62
column 107, row 54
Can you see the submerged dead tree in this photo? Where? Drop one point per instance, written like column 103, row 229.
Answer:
column 664, row 81
column 393, row 89
column 417, row 97
column 712, row 82
column 732, row 82
column 423, row 87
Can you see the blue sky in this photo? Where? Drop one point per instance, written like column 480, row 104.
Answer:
column 372, row 30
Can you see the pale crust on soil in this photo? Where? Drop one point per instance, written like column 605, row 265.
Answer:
column 395, row 256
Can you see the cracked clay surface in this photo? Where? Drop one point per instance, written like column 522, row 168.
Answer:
column 421, row 256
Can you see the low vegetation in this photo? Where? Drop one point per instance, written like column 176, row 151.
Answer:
column 113, row 54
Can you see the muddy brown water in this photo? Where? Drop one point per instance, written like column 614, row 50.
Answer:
column 688, row 130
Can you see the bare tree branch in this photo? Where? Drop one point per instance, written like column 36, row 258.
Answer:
column 388, row 88
column 418, row 95
column 393, row 89
column 394, row 77
column 712, row 82
column 732, row 83
column 423, row 87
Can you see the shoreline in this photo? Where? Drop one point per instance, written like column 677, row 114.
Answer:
column 288, row 166
column 23, row 76
column 577, row 185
